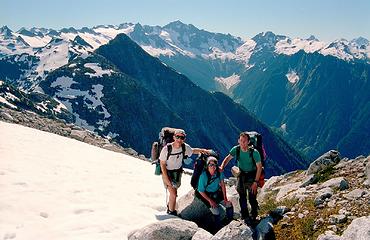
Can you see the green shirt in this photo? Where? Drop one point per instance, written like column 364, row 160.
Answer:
column 245, row 162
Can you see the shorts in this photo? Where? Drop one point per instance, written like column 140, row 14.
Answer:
column 175, row 177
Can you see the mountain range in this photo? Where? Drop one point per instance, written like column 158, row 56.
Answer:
column 122, row 92
column 273, row 76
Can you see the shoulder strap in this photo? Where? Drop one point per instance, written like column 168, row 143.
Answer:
column 183, row 151
column 169, row 150
column 251, row 155
column 210, row 179
column 237, row 153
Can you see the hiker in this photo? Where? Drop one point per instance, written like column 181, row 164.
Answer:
column 212, row 191
column 249, row 175
column 171, row 165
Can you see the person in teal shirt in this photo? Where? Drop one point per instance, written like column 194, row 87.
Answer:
column 212, row 191
column 249, row 175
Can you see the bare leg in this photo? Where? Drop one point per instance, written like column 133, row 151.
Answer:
column 172, row 199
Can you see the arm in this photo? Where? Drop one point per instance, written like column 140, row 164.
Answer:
column 258, row 174
column 201, row 150
column 225, row 161
column 211, row 202
column 223, row 188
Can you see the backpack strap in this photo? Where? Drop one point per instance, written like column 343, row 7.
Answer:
column 210, row 179
column 251, row 155
column 251, row 150
column 183, row 152
column 238, row 153
column 169, row 151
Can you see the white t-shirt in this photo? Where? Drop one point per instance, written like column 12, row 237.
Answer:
column 175, row 159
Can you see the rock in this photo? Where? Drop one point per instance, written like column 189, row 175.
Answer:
column 337, row 219
column 318, row 202
column 344, row 211
column 288, row 191
column 332, row 203
column 202, row 234
column 79, row 135
column 193, row 209
column 358, row 229
column 323, row 194
column 367, row 173
column 169, row 229
column 328, row 159
column 310, row 179
column 6, row 116
column 329, row 235
column 355, row 194
column 339, row 182
column 131, row 151
column 235, row 230
column 333, row 228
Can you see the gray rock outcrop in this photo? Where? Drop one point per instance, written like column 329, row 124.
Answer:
column 328, row 159
column 169, row 229
column 235, row 230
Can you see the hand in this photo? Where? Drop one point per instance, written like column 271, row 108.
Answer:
column 207, row 151
column 227, row 203
column 254, row 188
column 221, row 168
column 213, row 203
column 169, row 186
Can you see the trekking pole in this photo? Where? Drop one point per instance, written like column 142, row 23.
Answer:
column 166, row 200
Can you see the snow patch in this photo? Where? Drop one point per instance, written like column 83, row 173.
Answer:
column 156, row 52
column 245, row 51
column 288, row 46
column 228, row 82
column 82, row 189
column 4, row 101
column 99, row 72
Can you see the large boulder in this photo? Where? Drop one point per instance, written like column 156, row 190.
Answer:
column 202, row 234
column 193, row 209
column 235, row 230
column 328, row 159
column 339, row 183
column 169, row 229
column 359, row 229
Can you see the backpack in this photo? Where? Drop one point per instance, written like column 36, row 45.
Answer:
column 164, row 139
column 255, row 142
column 199, row 167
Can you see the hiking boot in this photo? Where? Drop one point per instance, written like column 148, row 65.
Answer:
column 173, row 213
column 248, row 221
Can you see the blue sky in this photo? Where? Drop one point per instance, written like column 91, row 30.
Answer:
column 326, row 19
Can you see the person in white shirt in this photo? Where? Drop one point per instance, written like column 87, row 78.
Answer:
column 171, row 165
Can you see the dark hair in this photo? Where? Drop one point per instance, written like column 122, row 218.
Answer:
column 245, row 134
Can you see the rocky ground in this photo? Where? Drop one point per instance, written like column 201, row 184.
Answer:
column 328, row 201
column 324, row 199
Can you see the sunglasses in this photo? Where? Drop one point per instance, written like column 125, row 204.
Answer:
column 180, row 137
column 212, row 165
